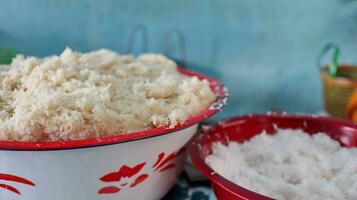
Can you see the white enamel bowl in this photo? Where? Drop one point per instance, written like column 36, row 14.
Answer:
column 141, row 165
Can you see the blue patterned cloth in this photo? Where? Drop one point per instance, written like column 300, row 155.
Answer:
column 183, row 190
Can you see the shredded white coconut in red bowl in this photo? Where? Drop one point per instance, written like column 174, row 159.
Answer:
column 279, row 157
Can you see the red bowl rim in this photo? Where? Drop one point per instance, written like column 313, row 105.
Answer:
column 221, row 99
column 218, row 180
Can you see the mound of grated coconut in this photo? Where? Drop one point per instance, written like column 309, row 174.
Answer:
column 101, row 93
column 290, row 165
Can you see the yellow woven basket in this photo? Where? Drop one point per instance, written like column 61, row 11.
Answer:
column 338, row 90
column 339, row 85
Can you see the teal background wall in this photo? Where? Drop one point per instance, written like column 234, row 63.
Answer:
column 264, row 51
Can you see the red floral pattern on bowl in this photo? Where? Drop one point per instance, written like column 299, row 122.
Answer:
column 13, row 178
column 161, row 164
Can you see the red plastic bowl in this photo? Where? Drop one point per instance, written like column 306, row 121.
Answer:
column 243, row 128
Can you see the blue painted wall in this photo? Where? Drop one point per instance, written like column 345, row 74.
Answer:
column 264, row 51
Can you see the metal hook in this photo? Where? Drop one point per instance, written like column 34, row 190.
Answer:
column 139, row 28
column 181, row 40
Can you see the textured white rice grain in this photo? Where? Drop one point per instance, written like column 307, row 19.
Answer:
column 290, row 165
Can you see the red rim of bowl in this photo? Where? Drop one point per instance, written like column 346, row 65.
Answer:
column 241, row 192
column 221, row 99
